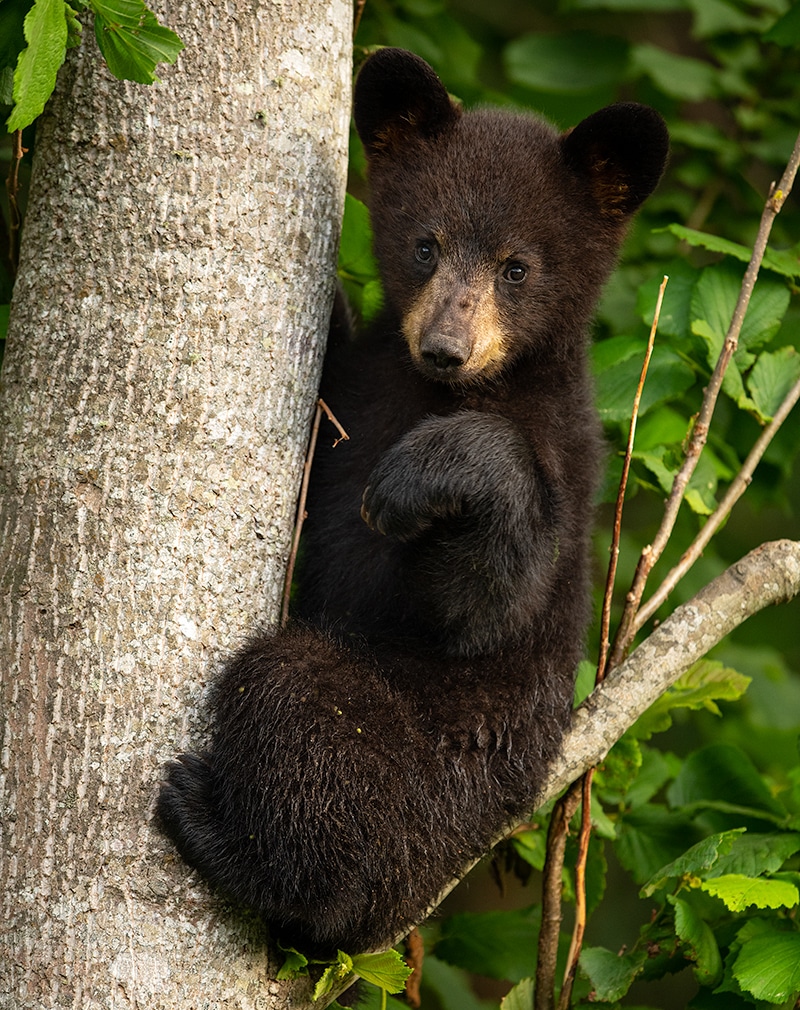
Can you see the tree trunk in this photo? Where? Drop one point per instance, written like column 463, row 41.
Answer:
column 167, row 329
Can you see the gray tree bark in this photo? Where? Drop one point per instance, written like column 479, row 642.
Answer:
column 166, row 335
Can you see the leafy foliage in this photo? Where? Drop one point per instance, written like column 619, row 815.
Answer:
column 697, row 818
column 706, row 832
column 128, row 33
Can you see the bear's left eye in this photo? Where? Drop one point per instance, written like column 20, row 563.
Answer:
column 515, row 273
column 425, row 252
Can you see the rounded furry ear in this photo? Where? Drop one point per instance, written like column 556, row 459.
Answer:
column 397, row 94
column 621, row 150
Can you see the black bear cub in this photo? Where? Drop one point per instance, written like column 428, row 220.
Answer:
column 363, row 757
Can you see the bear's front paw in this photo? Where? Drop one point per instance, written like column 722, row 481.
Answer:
column 393, row 515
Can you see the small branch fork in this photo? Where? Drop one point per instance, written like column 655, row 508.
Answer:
column 301, row 504
column 634, row 616
column 650, row 555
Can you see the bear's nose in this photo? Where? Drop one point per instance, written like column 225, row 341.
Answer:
column 444, row 352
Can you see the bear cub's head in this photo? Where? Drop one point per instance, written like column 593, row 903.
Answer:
column 493, row 232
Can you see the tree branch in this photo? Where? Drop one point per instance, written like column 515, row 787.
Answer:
column 768, row 575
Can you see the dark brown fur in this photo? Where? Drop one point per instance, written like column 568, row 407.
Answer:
column 363, row 757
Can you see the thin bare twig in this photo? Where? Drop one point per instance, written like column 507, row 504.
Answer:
column 301, row 504
column 605, row 621
column 557, row 832
column 586, row 782
column 15, row 214
column 359, row 10
column 651, row 553
column 737, row 488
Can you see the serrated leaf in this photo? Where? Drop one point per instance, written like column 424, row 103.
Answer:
column 651, row 837
column 703, row 684
column 722, row 774
column 739, row 892
column 333, row 975
column 694, row 861
column 611, row 975
column 45, row 30
column 520, row 997
column 785, row 263
column 771, row 378
column 768, row 966
column 754, row 853
column 697, row 936
column 131, row 39
column 674, row 320
column 668, row 376
column 386, row 969
column 498, row 944
column 294, row 964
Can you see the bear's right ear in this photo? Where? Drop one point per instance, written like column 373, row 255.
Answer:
column 621, row 151
column 398, row 94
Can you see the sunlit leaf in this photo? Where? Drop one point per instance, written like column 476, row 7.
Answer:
column 45, row 31
column 739, row 892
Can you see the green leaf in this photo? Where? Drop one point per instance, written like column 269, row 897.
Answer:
column 532, row 847
column 698, row 937
column 45, row 31
column 786, row 30
column 716, row 17
column 694, row 861
column 771, row 378
column 573, row 62
column 520, row 997
column 677, row 76
column 668, row 376
column 611, row 974
column 386, row 969
column 653, row 774
column 674, row 319
column 652, row 836
column 498, row 944
column 768, row 966
column 722, row 773
column 451, row 987
column 739, row 892
column 74, row 28
column 784, row 263
column 294, row 964
column 334, row 974
column 357, row 267
column 620, row 767
column 753, row 853
column 703, row 684
column 132, row 40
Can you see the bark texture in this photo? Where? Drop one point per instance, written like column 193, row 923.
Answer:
column 166, row 334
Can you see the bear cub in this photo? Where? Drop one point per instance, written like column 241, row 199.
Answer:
column 363, row 757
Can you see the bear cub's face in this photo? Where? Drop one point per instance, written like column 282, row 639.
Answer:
column 491, row 229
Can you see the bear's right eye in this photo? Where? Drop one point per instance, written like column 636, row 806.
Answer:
column 425, row 251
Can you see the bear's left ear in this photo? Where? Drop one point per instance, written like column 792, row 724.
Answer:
column 621, row 150
column 397, row 94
